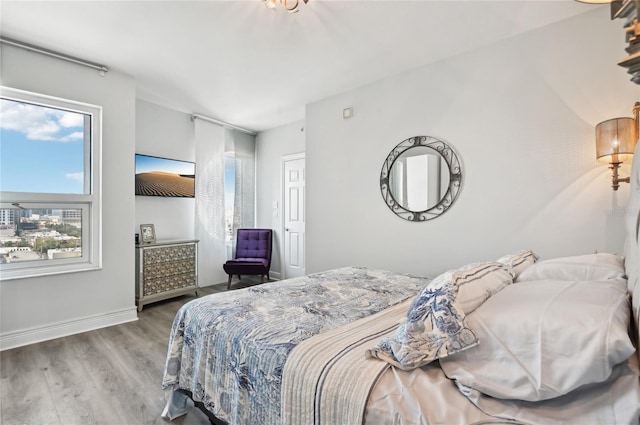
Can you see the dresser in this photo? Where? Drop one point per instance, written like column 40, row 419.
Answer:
column 165, row 269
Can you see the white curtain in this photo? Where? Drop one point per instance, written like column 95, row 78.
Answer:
column 209, row 222
column 244, row 148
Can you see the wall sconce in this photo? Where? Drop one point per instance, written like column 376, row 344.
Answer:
column 615, row 143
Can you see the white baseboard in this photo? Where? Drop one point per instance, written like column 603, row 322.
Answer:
column 274, row 275
column 58, row 330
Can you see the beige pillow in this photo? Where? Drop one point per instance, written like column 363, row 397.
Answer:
column 519, row 261
column 477, row 282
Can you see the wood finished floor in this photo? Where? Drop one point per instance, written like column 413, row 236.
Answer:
column 109, row 376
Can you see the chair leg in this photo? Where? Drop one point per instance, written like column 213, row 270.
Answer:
column 229, row 282
column 262, row 279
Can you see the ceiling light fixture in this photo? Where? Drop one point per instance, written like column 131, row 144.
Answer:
column 290, row 6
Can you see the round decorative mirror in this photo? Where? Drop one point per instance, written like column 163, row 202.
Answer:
column 421, row 178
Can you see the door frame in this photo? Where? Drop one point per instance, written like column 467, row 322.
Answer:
column 283, row 160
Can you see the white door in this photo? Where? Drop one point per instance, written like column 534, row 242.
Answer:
column 293, row 217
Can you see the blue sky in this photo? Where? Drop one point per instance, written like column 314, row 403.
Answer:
column 229, row 181
column 145, row 164
column 41, row 149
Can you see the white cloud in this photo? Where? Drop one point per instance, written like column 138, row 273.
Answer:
column 78, row 135
column 40, row 123
column 71, row 119
column 79, row 177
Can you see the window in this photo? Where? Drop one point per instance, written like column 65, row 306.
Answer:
column 229, row 196
column 50, row 213
column 239, row 184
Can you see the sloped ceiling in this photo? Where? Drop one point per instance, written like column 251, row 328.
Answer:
column 242, row 63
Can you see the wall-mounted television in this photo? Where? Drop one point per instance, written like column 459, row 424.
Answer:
column 157, row 176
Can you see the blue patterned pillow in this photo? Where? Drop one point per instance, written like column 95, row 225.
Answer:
column 435, row 328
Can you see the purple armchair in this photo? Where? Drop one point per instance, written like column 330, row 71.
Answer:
column 253, row 254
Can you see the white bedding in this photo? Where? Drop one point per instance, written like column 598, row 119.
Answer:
column 426, row 396
column 419, row 397
column 562, row 344
column 615, row 401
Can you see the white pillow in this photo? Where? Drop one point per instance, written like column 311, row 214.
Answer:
column 476, row 282
column 519, row 260
column 542, row 339
column 600, row 266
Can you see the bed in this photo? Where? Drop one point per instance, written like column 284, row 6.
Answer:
column 516, row 340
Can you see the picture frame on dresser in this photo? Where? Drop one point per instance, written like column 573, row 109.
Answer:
column 147, row 233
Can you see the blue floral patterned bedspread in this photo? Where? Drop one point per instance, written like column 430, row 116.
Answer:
column 229, row 349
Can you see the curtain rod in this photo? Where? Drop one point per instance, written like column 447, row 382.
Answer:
column 222, row 123
column 103, row 69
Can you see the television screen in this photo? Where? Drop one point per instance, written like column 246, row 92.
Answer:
column 165, row 177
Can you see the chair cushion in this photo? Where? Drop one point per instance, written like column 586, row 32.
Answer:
column 246, row 266
column 246, row 261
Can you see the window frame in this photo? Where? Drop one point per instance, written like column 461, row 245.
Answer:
column 89, row 202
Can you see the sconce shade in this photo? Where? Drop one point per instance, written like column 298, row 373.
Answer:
column 615, row 140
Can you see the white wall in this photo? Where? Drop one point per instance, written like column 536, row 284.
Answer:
column 521, row 115
column 271, row 146
column 47, row 307
column 165, row 133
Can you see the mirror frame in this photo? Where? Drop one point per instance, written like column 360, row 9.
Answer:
column 455, row 178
